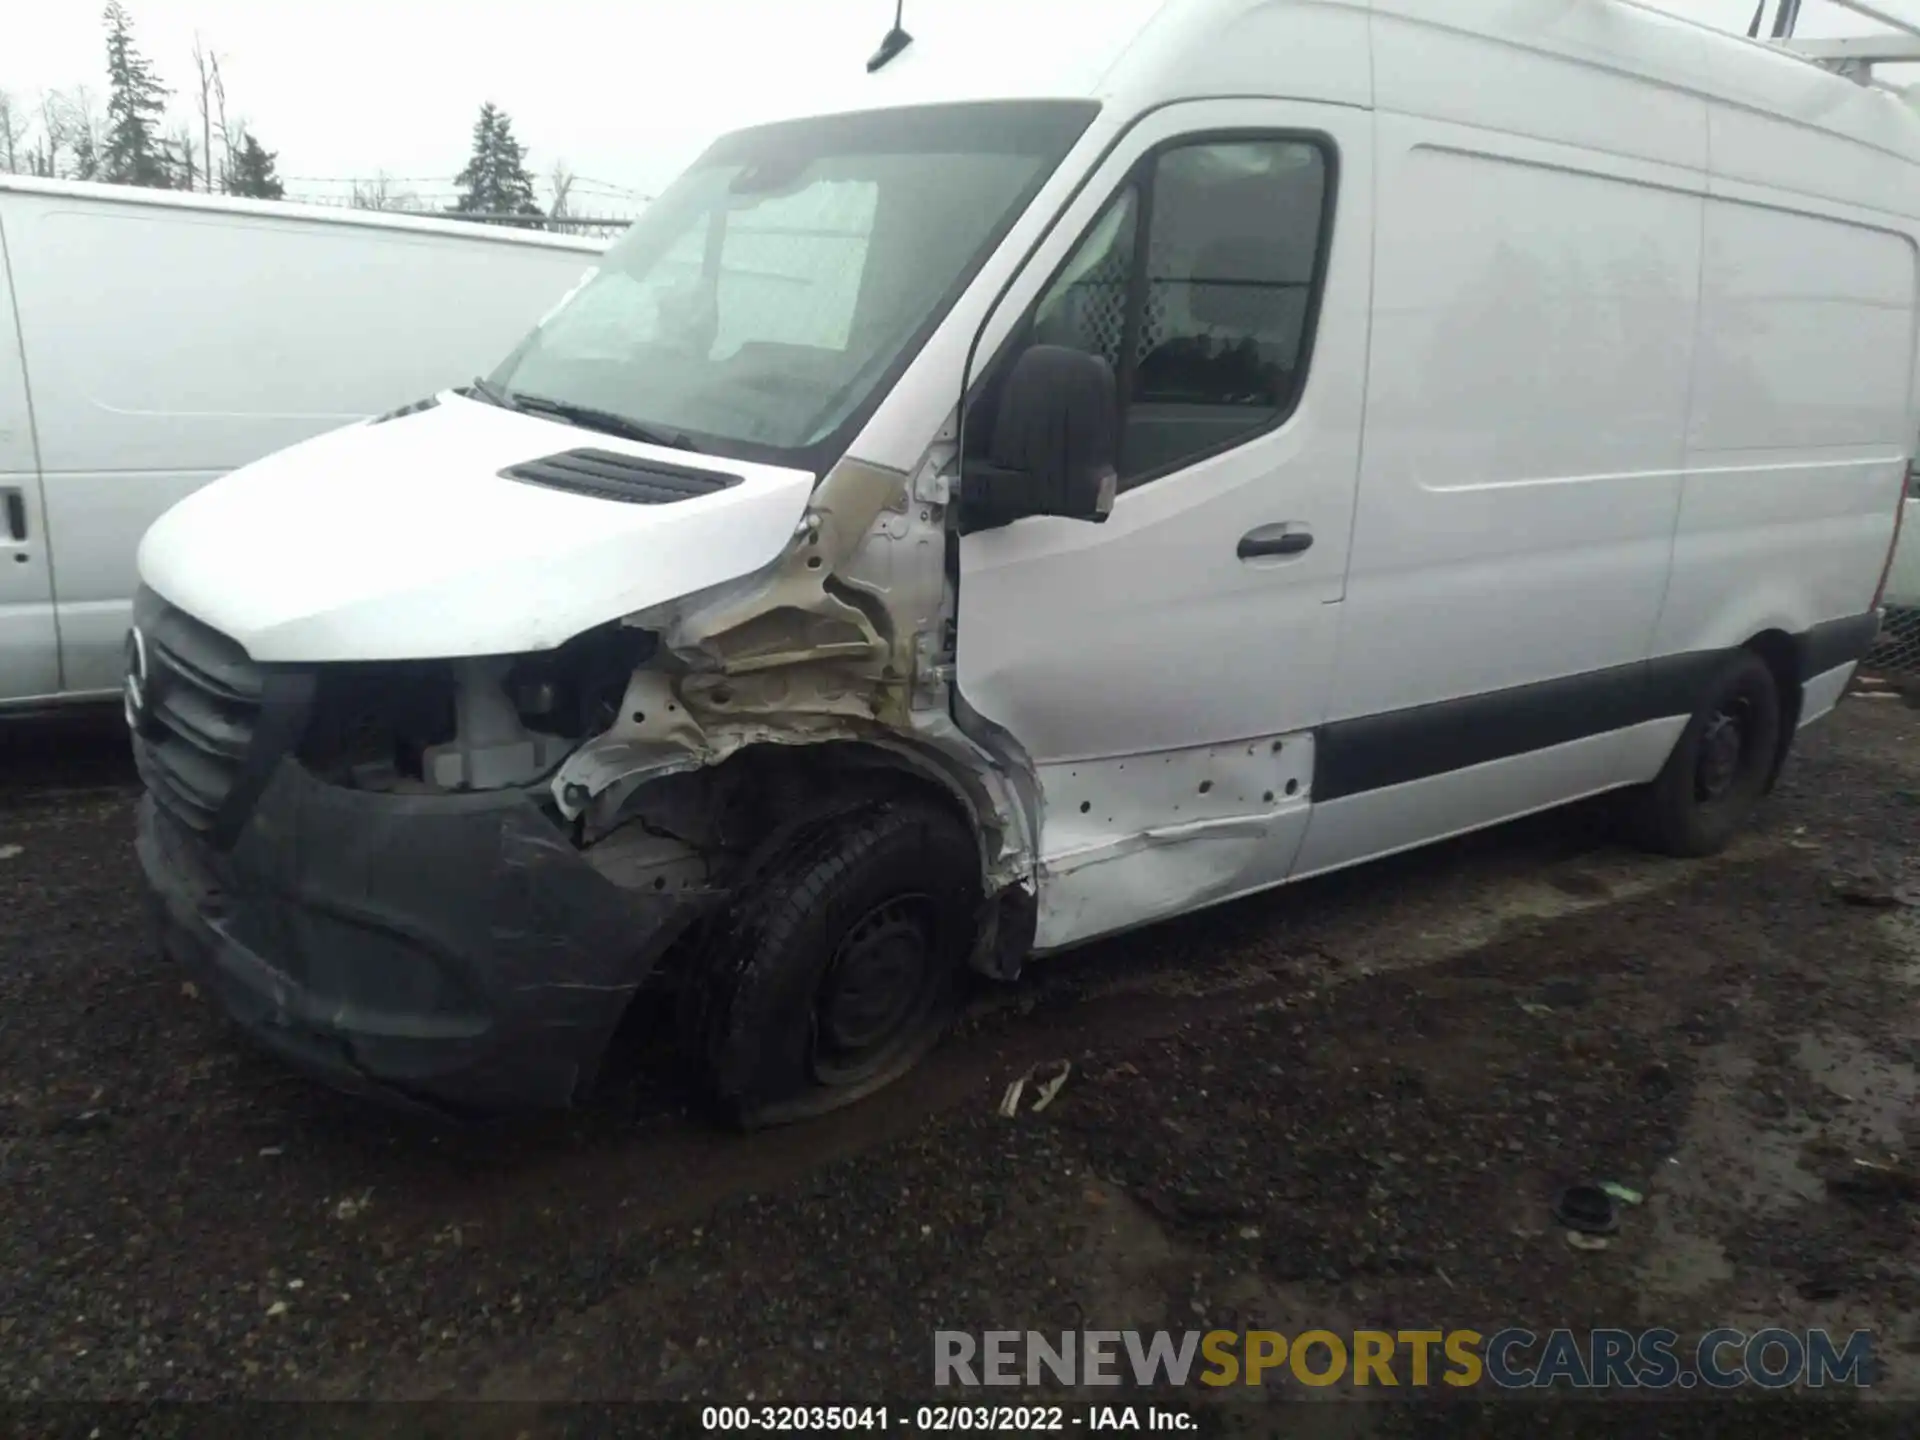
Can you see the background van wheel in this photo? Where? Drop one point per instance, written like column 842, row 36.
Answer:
column 840, row 964
column 1719, row 769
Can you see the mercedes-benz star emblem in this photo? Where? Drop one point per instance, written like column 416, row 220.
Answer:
column 135, row 693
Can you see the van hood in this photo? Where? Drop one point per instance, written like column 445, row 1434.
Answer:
column 400, row 540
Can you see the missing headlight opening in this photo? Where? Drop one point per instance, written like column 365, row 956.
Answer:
column 483, row 724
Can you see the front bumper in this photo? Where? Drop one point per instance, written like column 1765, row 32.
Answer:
column 451, row 952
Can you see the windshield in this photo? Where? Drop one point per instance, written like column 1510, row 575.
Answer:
column 761, row 305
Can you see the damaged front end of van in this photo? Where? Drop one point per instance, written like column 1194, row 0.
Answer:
column 608, row 699
column 484, row 882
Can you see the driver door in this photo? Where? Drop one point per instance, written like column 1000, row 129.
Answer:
column 1165, row 669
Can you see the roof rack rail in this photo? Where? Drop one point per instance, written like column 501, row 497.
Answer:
column 1856, row 55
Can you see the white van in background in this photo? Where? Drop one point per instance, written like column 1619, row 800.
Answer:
column 1902, row 588
column 1068, row 480
column 151, row 341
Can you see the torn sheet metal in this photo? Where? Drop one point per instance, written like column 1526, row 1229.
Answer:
column 838, row 640
column 777, row 658
column 788, row 644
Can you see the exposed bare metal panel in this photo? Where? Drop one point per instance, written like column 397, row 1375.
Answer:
column 841, row 639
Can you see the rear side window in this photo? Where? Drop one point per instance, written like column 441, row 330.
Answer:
column 1199, row 285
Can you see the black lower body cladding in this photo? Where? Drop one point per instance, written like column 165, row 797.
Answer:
column 446, row 952
column 1372, row 752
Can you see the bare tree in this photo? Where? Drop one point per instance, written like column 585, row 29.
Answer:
column 183, row 154
column 225, row 133
column 13, row 129
column 561, row 180
column 203, row 102
column 43, row 158
column 379, row 194
column 210, row 102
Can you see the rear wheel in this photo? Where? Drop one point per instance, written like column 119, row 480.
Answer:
column 840, row 964
column 1719, row 769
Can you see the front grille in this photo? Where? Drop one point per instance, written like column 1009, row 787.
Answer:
column 195, row 713
column 606, row 475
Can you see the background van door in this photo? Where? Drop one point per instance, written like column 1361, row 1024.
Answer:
column 1164, row 670
column 29, row 642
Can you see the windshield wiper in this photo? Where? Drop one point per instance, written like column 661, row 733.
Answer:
column 486, row 390
column 589, row 418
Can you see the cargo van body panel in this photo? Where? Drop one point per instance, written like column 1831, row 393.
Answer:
column 29, row 636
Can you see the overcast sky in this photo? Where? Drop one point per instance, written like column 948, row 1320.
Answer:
column 624, row 91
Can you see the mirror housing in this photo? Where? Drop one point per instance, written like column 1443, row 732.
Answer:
column 1054, row 446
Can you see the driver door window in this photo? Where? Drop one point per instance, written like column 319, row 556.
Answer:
column 1198, row 285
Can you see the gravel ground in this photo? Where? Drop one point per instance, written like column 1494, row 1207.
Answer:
column 1348, row 1105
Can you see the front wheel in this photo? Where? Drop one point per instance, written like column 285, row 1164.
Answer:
column 1719, row 769
column 839, row 967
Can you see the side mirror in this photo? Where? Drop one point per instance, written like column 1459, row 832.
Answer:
column 1054, row 444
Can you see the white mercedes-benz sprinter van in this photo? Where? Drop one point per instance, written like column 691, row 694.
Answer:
column 152, row 340
column 1055, row 487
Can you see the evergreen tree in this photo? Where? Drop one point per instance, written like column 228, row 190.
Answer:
column 136, row 100
column 496, row 181
column 252, row 173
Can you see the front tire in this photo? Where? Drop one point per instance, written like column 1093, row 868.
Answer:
column 1720, row 768
column 839, row 966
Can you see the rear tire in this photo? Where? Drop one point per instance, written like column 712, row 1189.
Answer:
column 1720, row 768
column 839, row 965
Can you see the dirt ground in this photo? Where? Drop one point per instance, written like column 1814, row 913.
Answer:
column 1345, row 1105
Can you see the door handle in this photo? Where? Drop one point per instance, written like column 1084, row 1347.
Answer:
column 16, row 515
column 1271, row 540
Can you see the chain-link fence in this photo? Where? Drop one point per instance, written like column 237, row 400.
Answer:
column 1896, row 656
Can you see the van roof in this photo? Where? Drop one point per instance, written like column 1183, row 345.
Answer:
column 1139, row 53
column 294, row 210
column 964, row 50
column 1150, row 51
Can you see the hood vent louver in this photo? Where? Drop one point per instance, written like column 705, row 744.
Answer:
column 414, row 409
column 607, row 475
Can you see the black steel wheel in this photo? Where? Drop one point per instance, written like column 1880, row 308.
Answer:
column 1719, row 769
column 839, row 966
